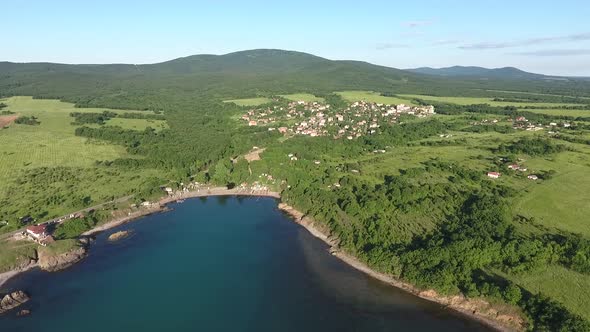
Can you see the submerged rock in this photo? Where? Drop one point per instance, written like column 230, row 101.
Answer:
column 118, row 235
column 13, row 300
column 24, row 312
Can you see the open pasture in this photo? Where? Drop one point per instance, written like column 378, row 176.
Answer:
column 562, row 201
column 561, row 112
column 374, row 97
column 566, row 286
column 303, row 97
column 49, row 144
column 485, row 100
column 249, row 101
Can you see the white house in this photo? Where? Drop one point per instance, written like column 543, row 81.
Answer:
column 494, row 175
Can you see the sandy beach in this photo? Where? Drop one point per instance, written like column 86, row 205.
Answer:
column 160, row 205
column 5, row 276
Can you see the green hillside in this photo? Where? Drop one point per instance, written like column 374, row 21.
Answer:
column 405, row 190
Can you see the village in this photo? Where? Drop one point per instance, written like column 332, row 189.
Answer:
column 316, row 119
column 516, row 168
column 522, row 123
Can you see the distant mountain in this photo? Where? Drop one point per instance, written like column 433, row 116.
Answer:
column 479, row 72
column 255, row 72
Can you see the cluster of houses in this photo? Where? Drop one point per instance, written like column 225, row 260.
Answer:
column 514, row 167
column 523, row 123
column 485, row 122
column 317, row 119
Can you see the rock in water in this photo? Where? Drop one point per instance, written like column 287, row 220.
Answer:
column 118, row 235
column 13, row 300
column 24, row 312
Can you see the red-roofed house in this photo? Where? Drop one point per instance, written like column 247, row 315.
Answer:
column 37, row 232
column 494, row 175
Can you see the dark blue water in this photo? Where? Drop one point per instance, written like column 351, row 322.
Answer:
column 220, row 264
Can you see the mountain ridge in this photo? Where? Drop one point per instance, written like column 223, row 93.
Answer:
column 476, row 71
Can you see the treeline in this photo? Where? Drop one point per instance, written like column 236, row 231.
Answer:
column 82, row 118
column 511, row 111
column 583, row 103
column 138, row 115
column 403, row 134
column 531, row 146
column 503, row 129
column 28, row 120
column 92, row 118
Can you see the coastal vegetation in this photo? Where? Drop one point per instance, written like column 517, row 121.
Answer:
column 414, row 200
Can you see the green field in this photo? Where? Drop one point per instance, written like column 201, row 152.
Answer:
column 537, row 94
column 561, row 202
column 302, row 96
column 374, row 97
column 15, row 253
column 64, row 164
column 559, row 112
column 566, row 286
column 490, row 101
column 249, row 101
column 52, row 143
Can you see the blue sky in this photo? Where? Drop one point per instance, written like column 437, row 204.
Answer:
column 551, row 37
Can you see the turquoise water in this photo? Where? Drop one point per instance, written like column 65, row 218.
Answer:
column 219, row 264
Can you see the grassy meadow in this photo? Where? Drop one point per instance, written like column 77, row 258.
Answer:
column 63, row 165
column 249, row 101
column 560, row 112
column 562, row 201
column 564, row 285
column 52, row 143
column 302, row 96
column 370, row 96
column 484, row 100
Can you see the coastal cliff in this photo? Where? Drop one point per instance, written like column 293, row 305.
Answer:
column 52, row 260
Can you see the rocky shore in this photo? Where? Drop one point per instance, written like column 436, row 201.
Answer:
column 51, row 262
column 477, row 309
column 13, row 300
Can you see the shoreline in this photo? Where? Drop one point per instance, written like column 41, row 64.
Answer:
column 160, row 205
column 456, row 303
column 5, row 276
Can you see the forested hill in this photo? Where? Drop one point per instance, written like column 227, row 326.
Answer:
column 509, row 73
column 241, row 74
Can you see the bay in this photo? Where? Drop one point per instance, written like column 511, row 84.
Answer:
column 219, row 264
